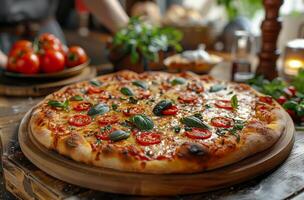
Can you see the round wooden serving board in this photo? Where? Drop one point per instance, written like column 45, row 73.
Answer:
column 108, row 180
column 35, row 87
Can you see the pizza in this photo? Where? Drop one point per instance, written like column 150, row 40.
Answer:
column 157, row 122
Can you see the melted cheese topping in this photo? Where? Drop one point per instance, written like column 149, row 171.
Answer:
column 160, row 87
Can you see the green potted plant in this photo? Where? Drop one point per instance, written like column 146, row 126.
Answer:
column 141, row 46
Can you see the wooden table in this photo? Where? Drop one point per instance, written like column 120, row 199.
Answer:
column 286, row 182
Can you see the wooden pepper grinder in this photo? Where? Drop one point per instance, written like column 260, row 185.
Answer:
column 271, row 27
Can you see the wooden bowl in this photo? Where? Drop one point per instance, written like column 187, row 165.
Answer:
column 68, row 72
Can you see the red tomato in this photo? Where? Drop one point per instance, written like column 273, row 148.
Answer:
column 196, row 86
column 225, row 104
column 107, row 120
column 198, row 133
column 266, row 99
column 144, row 94
column 282, row 99
column 148, row 138
column 76, row 56
column 172, row 110
column 22, row 45
column 48, row 41
column 52, row 61
column 94, row 90
column 104, row 135
column 23, row 62
column 291, row 113
column 188, row 98
column 133, row 111
column 80, row 120
column 221, row 122
column 292, row 90
column 82, row 106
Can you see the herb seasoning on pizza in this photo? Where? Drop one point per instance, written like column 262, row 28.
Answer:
column 157, row 122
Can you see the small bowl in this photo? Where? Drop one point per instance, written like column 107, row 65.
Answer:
column 176, row 63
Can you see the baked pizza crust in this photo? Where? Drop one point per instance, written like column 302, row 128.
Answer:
column 190, row 157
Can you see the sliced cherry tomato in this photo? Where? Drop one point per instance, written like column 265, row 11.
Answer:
column 188, row 98
column 23, row 61
column 104, row 135
column 80, row 120
column 266, row 99
column 133, row 111
column 144, row 94
column 225, row 104
column 148, row 138
column 172, row 110
column 76, row 56
column 52, row 61
column 107, row 120
column 196, row 86
column 94, row 90
column 221, row 122
column 82, row 106
column 198, row 133
column 281, row 100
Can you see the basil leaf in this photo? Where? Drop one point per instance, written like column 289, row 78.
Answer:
column 177, row 129
column 58, row 104
column 234, row 102
column 133, row 100
column 193, row 121
column 114, row 106
column 142, row 122
column 98, row 109
column 95, row 82
column 216, row 88
column 160, row 106
column 300, row 109
column 178, row 81
column 140, row 84
column 76, row 98
column 118, row 135
column 126, row 91
column 291, row 105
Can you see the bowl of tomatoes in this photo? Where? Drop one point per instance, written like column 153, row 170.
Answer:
column 46, row 57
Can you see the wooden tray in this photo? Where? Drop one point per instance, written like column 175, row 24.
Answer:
column 40, row 87
column 150, row 184
column 68, row 72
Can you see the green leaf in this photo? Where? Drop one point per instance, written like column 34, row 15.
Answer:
column 193, row 121
column 290, row 105
column 95, row 82
column 298, row 81
column 176, row 129
column 216, row 88
column 64, row 105
column 234, row 102
column 76, row 98
column 126, row 91
column 160, row 106
column 178, row 81
column 114, row 106
column 119, row 135
column 140, row 84
column 133, row 100
column 98, row 109
column 142, row 122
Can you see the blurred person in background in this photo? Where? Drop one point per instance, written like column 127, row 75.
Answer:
column 26, row 19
